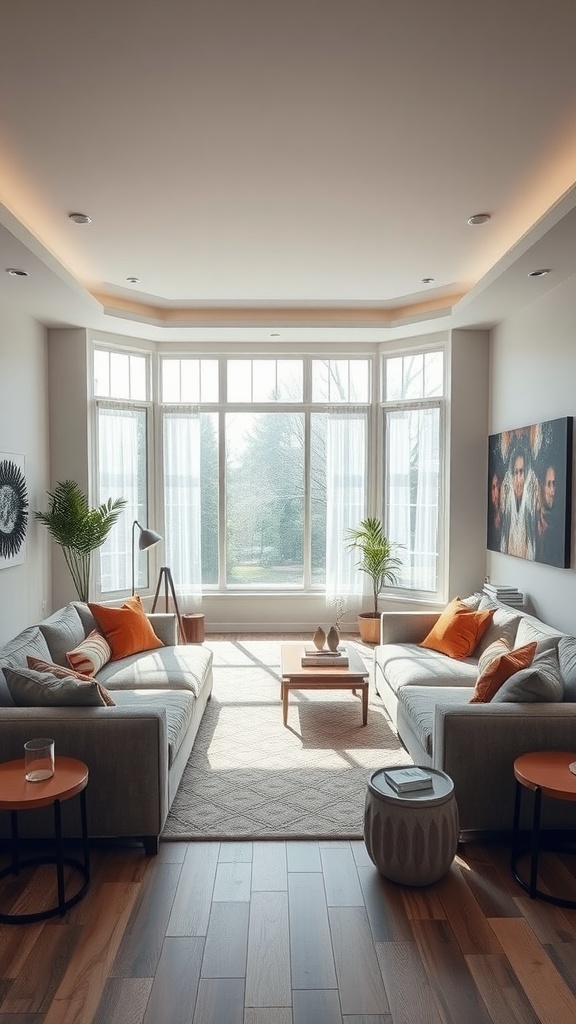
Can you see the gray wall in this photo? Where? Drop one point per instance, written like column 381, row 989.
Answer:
column 533, row 378
column 25, row 589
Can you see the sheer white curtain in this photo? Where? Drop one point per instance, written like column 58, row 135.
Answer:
column 412, row 478
column 345, row 498
column 182, row 502
column 398, row 486
column 121, row 474
column 426, row 526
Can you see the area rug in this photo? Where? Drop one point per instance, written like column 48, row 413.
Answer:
column 249, row 777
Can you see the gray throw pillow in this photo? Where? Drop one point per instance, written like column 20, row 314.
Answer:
column 538, row 684
column 32, row 689
column 63, row 631
column 567, row 659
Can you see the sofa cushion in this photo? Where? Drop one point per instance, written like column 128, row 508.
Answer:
column 126, row 629
column 458, row 630
column 504, row 625
column 176, row 668
column 91, row 655
column 410, row 664
column 32, row 689
column 499, row 670
column 418, row 705
column 539, row 683
column 567, row 660
column 495, row 649
column 531, row 629
column 178, row 706
column 62, row 631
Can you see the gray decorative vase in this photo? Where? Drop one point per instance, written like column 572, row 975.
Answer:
column 319, row 638
column 333, row 638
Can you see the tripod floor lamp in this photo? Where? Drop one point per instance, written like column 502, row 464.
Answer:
column 148, row 539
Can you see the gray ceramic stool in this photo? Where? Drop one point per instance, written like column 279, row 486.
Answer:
column 411, row 837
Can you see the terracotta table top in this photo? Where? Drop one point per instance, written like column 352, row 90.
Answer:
column 16, row 794
column 548, row 770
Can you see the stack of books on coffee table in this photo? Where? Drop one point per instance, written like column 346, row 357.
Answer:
column 325, row 658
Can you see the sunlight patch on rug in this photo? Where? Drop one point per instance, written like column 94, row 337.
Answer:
column 249, row 777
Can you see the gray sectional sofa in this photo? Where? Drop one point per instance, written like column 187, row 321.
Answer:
column 427, row 696
column 136, row 751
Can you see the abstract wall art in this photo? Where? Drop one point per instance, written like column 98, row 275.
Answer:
column 13, row 510
column 530, row 492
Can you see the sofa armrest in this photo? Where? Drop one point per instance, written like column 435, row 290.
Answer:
column 126, row 750
column 477, row 745
column 406, row 627
column 165, row 625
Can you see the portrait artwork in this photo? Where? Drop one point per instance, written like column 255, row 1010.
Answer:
column 13, row 510
column 529, row 492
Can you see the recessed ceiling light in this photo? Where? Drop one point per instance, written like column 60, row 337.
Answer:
column 426, row 280
column 539, row 273
column 80, row 218
column 16, row 273
column 478, row 218
column 133, row 280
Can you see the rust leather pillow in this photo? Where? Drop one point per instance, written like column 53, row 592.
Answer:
column 126, row 629
column 458, row 630
column 499, row 670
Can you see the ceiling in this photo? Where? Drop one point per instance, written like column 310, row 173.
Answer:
column 290, row 169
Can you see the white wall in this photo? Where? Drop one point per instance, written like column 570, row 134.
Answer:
column 533, row 378
column 25, row 589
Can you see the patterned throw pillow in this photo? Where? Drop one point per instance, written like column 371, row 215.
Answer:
column 60, row 672
column 91, row 655
column 499, row 670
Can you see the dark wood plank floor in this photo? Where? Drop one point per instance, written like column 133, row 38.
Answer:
column 289, row 933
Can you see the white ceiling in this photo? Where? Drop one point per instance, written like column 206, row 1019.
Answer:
column 291, row 168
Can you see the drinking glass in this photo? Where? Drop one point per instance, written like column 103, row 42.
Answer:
column 39, row 760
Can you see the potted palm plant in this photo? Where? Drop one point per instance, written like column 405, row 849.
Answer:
column 379, row 560
column 78, row 528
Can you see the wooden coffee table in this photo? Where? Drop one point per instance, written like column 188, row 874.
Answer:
column 313, row 677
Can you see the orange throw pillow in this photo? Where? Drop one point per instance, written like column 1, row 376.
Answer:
column 458, row 630
column 126, row 629
column 499, row 670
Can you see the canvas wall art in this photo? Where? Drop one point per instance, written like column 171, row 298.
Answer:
column 13, row 510
column 530, row 491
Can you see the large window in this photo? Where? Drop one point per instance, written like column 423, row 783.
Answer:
column 413, row 389
column 257, row 467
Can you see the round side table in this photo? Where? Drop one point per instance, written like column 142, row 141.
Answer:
column 545, row 773
column 16, row 794
column 411, row 837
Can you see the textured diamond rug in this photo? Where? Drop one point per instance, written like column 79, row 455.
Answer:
column 249, row 777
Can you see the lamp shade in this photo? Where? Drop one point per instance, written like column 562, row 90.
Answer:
column 147, row 539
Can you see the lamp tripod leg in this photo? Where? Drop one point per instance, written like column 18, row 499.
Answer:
column 166, row 575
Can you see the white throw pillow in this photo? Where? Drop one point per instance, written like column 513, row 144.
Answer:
column 496, row 648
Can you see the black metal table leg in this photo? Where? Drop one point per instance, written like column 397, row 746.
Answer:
column 533, row 848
